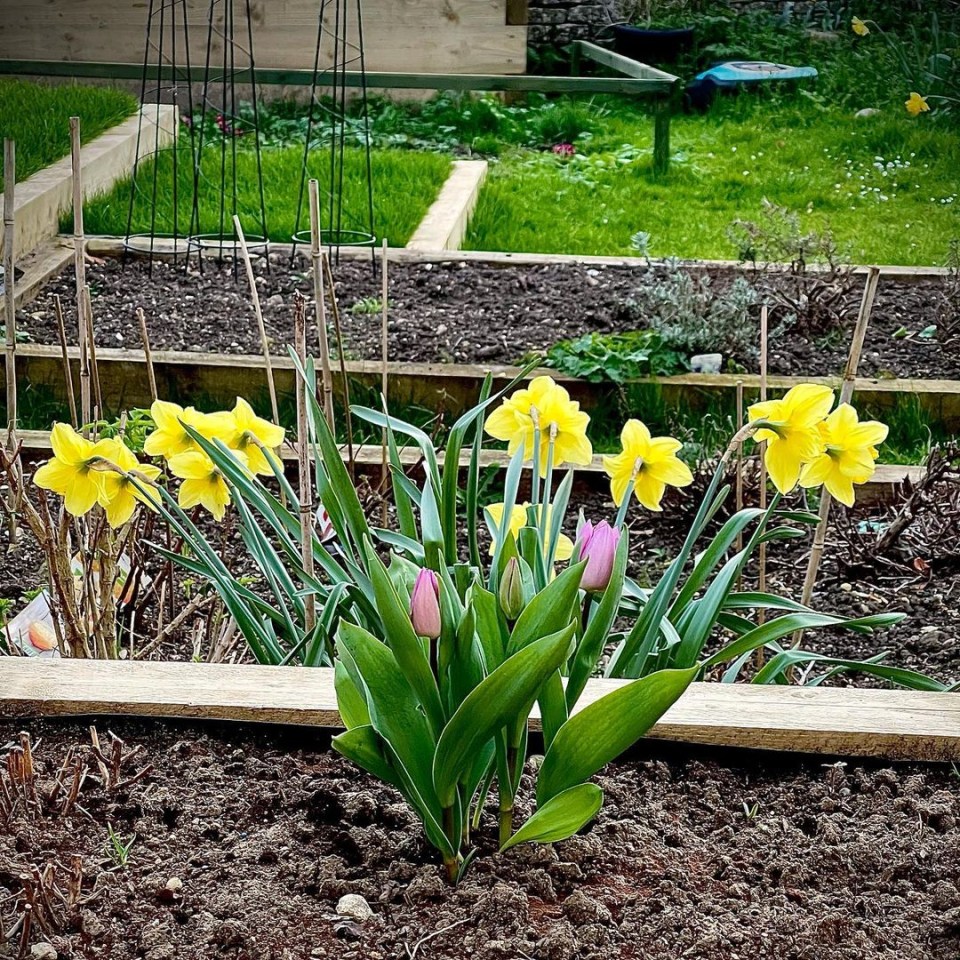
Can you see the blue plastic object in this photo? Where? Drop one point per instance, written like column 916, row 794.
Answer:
column 735, row 72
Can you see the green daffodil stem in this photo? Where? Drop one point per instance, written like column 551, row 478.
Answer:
column 535, row 468
column 543, row 521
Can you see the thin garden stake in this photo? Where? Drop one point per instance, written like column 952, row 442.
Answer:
column 145, row 341
column 762, row 555
column 384, row 475
column 80, row 270
column 846, row 392
column 316, row 262
column 91, row 342
column 9, row 283
column 67, row 372
column 245, row 253
column 303, row 461
column 739, row 489
column 338, row 333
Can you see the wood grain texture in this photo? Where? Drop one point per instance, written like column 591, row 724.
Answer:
column 890, row 724
column 457, row 36
column 445, row 223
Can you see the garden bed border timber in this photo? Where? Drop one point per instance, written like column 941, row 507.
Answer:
column 879, row 489
column 838, row 721
column 446, row 387
column 44, row 196
column 634, row 79
column 445, row 223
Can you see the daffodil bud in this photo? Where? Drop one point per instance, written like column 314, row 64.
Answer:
column 598, row 546
column 425, row 605
column 511, row 590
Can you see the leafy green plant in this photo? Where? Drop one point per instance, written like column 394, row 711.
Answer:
column 616, row 357
column 117, row 849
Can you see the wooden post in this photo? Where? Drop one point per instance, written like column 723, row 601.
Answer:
column 344, row 380
column 80, row 271
column 254, row 294
column 846, row 392
column 303, row 461
column 662, row 108
column 9, row 286
column 316, row 262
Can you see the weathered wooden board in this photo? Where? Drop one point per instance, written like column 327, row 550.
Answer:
column 442, row 36
column 857, row 722
column 444, row 225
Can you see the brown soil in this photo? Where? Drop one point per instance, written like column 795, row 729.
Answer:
column 245, row 839
column 462, row 312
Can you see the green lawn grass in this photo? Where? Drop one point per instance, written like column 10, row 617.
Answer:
column 886, row 186
column 404, row 186
column 37, row 117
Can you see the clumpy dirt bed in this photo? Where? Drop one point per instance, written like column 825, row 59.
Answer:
column 460, row 312
column 245, row 839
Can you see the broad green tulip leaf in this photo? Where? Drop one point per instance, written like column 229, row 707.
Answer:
column 407, row 647
column 553, row 707
column 350, row 701
column 550, row 610
column 491, row 628
column 363, row 746
column 498, row 701
column 394, row 707
column 560, row 817
column 601, row 731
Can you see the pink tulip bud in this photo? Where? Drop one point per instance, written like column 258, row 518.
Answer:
column 598, row 546
column 425, row 605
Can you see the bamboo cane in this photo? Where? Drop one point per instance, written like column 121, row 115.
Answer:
column 80, row 270
column 255, row 296
column 739, row 481
column 145, row 341
column 9, row 286
column 326, row 377
column 92, row 344
column 762, row 555
column 384, row 354
column 338, row 333
column 303, row 461
column 67, row 372
column 846, row 392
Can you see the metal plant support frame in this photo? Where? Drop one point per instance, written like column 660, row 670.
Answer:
column 633, row 79
column 329, row 121
column 237, row 66
column 166, row 28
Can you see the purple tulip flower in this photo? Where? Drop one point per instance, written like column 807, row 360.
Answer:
column 598, row 546
column 425, row 605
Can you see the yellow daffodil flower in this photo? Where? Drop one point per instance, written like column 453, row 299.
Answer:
column 850, row 455
column 72, row 472
column 792, row 431
column 547, row 406
column 859, row 27
column 170, row 439
column 203, row 483
column 255, row 437
column 119, row 494
column 916, row 105
column 518, row 520
column 647, row 465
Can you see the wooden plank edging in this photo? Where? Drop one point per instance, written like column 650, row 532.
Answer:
column 445, row 223
column 891, row 724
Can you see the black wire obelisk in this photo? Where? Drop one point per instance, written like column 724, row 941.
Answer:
column 338, row 69
column 154, row 185
column 224, row 185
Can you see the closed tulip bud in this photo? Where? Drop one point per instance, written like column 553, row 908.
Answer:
column 511, row 590
column 425, row 605
column 598, row 546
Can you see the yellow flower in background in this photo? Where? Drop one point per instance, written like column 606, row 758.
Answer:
column 850, row 455
column 518, row 520
column 255, row 437
column 203, row 484
column 647, row 465
column 916, row 105
column 72, row 471
column 170, row 439
column 547, row 405
column 119, row 494
column 792, row 431
column 859, row 27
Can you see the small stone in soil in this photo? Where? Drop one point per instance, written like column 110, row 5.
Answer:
column 355, row 907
